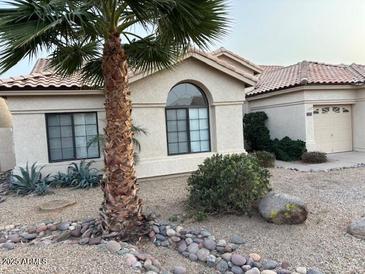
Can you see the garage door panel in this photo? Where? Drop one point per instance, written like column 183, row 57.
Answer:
column 333, row 128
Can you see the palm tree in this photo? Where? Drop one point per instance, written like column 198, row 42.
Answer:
column 100, row 38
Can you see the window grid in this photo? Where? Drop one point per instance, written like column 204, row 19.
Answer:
column 70, row 150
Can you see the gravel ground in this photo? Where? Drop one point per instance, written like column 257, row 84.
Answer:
column 334, row 199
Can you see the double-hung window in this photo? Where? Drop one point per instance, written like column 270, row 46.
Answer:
column 72, row 136
column 187, row 120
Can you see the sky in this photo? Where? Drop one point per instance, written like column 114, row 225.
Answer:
column 284, row 32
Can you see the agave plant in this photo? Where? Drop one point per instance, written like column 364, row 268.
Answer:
column 78, row 176
column 30, row 180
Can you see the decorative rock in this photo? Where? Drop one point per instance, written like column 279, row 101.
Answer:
column 284, row 271
column 29, row 236
column 175, row 239
column 160, row 237
column 255, row 257
column 246, row 268
column 203, row 254
column 95, row 241
column 209, row 244
column 222, row 266
column 193, row 257
column 179, row 270
column 280, row 208
column 8, row 246
column 238, row 259
column 41, row 228
column 84, row 241
column 76, row 232
column 182, row 247
column 131, row 259
column 193, row 248
column 205, row 233
column 269, row 264
column 301, row 270
column 254, row 270
column 268, row 272
column 15, row 238
column 63, row 236
column 357, row 228
column 63, row 226
column 170, row 232
column 113, row 246
column 236, row 270
column 137, row 265
column 156, row 229
column 227, row 256
column 221, row 243
column 285, row 265
column 236, row 239
column 32, row 230
column 211, row 260
column 314, row 271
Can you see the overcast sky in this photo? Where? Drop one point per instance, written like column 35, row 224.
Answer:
column 283, row 32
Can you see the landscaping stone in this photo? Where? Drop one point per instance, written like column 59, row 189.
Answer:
column 209, row 244
column 236, row 270
column 301, row 270
column 357, row 228
column 63, row 236
column 269, row 264
column 211, row 259
column 222, row 266
column 238, row 259
column 227, row 256
column 170, row 232
column 182, row 246
column 179, row 270
column 268, row 272
column 203, row 254
column 84, row 241
column 193, row 257
column 193, row 248
column 76, row 232
column 8, row 246
column 254, row 270
column 314, row 271
column 15, row 238
column 255, row 257
column 63, row 226
column 246, row 267
column 113, row 246
column 280, row 208
column 29, row 236
column 95, row 241
column 236, row 239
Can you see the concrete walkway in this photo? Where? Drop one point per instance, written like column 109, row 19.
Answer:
column 335, row 161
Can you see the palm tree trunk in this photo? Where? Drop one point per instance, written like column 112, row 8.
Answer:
column 121, row 210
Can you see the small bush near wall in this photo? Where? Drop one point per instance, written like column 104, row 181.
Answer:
column 30, row 181
column 80, row 175
column 257, row 135
column 314, row 157
column 287, row 149
column 226, row 184
column 265, row 159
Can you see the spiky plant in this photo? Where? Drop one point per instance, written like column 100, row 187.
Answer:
column 100, row 38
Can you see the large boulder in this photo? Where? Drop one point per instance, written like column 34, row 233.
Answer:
column 357, row 228
column 280, row 208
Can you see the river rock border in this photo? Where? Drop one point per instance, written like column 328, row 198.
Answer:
column 196, row 245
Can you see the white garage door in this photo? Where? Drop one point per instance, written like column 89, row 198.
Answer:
column 333, row 128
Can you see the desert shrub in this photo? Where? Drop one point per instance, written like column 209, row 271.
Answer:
column 314, row 157
column 80, row 175
column 257, row 135
column 29, row 180
column 287, row 149
column 230, row 183
column 265, row 159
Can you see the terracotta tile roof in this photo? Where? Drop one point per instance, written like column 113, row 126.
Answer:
column 307, row 73
column 43, row 77
column 267, row 68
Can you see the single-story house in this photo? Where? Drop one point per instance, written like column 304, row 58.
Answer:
column 321, row 104
column 189, row 113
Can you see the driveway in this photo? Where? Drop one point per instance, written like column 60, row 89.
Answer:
column 335, row 161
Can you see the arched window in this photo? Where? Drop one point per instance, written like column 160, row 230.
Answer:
column 187, row 120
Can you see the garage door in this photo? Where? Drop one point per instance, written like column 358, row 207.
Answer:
column 333, row 128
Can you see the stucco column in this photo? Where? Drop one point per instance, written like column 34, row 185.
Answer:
column 309, row 127
column 7, row 154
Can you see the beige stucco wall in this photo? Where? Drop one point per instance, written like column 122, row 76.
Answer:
column 288, row 112
column 7, row 156
column 149, row 95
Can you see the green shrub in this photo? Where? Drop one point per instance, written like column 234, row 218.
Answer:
column 314, row 157
column 287, row 149
column 257, row 135
column 265, row 159
column 78, row 176
column 230, row 183
column 30, row 180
